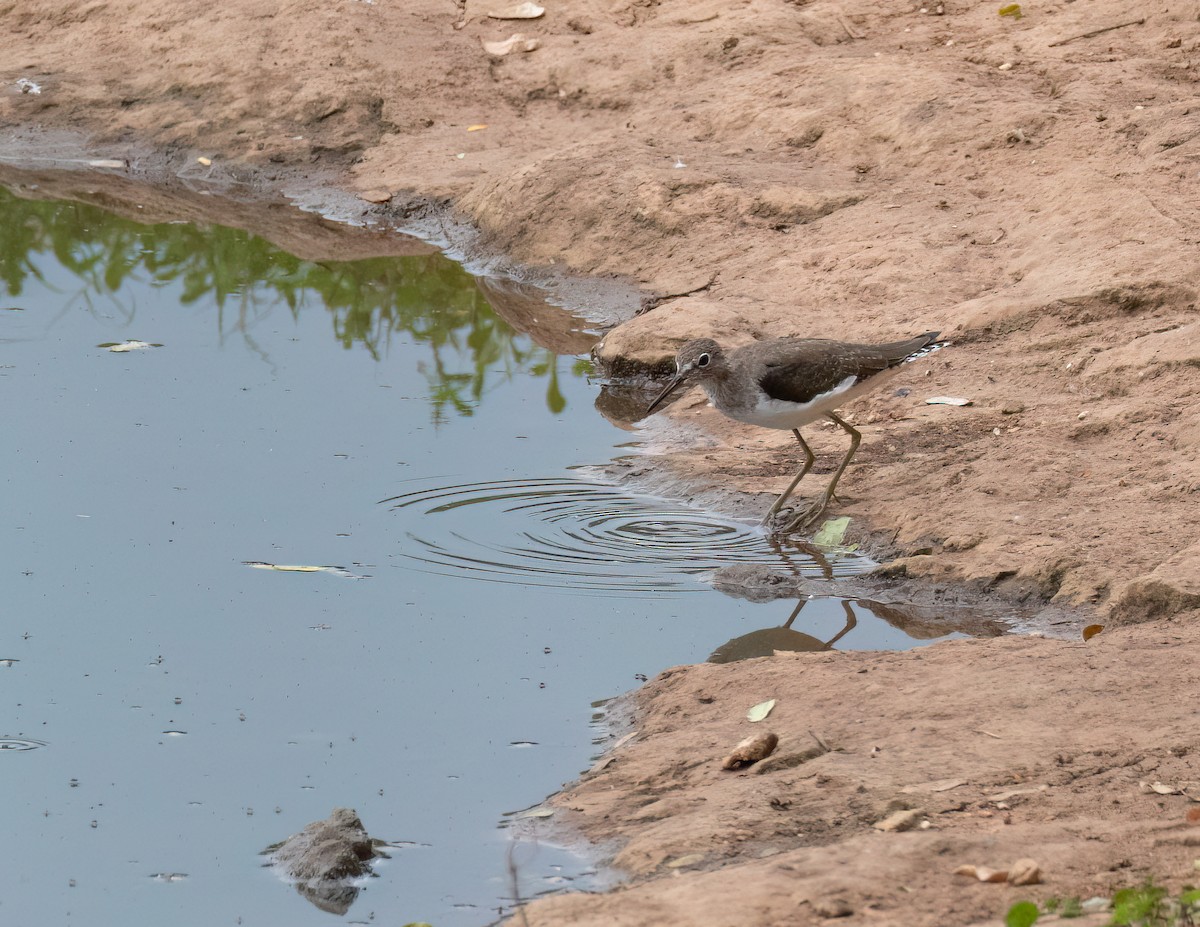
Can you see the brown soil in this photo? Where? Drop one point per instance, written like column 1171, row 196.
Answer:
column 863, row 171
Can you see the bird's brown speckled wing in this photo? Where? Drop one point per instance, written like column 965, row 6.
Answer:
column 800, row 369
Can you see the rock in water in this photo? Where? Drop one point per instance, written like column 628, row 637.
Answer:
column 325, row 857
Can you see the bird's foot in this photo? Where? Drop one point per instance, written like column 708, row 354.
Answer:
column 788, row 520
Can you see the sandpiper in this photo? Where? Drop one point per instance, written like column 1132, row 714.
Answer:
column 787, row 383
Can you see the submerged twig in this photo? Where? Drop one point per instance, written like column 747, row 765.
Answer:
column 1095, row 32
column 516, row 886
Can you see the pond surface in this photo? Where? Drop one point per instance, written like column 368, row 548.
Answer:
column 172, row 704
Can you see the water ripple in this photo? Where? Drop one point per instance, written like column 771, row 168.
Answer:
column 571, row 533
column 12, row 743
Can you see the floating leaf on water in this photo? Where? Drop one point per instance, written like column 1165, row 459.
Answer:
column 1011, row 9
column 760, row 711
column 518, row 11
column 516, row 42
column 1091, row 631
column 302, row 568
column 118, row 347
column 14, row 308
column 948, row 401
column 282, row 568
column 169, row 876
column 539, row 812
column 832, row 533
column 109, row 163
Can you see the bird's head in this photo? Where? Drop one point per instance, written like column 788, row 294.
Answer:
column 697, row 360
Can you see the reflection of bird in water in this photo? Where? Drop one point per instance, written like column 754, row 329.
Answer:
column 765, row 642
column 787, row 383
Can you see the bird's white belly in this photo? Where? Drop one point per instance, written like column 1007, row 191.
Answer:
column 777, row 413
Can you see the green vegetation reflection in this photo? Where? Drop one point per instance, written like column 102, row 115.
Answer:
column 427, row 298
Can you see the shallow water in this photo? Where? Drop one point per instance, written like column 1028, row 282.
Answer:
column 170, row 709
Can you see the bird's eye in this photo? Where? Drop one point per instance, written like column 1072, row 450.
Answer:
column 702, row 360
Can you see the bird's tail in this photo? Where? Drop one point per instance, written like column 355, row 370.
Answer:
column 901, row 352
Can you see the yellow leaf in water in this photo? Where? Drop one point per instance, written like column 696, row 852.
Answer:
column 832, row 533
column 761, row 710
column 1091, row 631
column 298, row 568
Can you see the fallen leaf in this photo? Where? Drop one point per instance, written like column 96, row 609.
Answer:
column 1011, row 793
column 302, row 568
column 118, row 347
column 760, row 711
column 982, row 873
column 1012, row 9
column 751, row 750
column 938, row 785
column 107, row 162
column 1193, row 816
column 1025, row 872
column 897, row 821
column 1091, row 631
column 690, row 860
column 477, row 128
column 623, row 741
column 539, row 812
column 205, row 161
column 518, row 11
column 832, row 533
column 515, row 42
column 948, row 401
column 1159, row 788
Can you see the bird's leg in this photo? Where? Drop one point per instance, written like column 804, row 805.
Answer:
column 813, row 512
column 855, row 440
column 808, row 462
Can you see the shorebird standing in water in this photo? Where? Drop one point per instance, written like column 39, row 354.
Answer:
column 787, row 383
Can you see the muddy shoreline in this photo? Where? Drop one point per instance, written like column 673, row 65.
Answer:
column 815, row 169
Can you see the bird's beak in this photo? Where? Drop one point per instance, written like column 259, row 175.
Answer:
column 665, row 393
